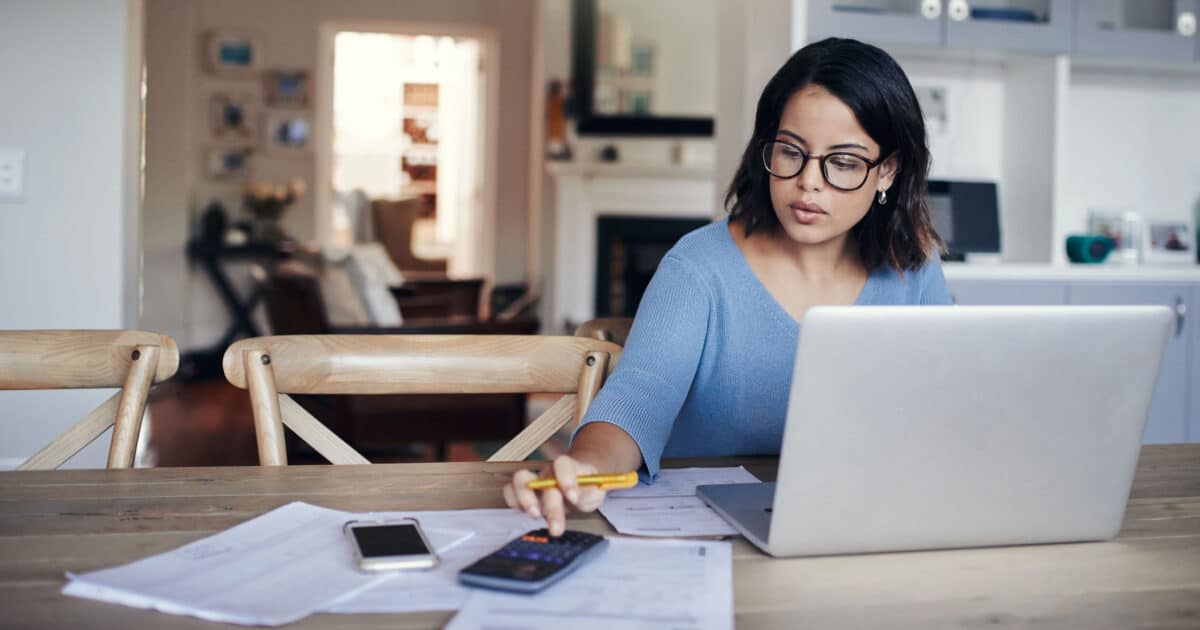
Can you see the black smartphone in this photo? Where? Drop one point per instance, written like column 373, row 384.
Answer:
column 387, row 545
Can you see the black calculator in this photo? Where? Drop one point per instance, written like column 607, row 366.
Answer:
column 534, row 561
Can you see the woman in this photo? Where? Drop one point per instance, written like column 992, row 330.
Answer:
column 828, row 206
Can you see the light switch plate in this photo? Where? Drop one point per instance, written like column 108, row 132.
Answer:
column 12, row 173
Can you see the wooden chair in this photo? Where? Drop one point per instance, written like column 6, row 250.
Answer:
column 270, row 367
column 393, row 222
column 79, row 359
column 614, row 329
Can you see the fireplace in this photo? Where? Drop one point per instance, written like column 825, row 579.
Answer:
column 660, row 203
column 628, row 250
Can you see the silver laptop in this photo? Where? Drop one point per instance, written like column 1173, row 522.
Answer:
column 940, row 427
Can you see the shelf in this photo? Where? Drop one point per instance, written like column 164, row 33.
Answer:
column 1148, row 273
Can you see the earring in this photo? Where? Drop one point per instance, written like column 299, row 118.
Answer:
column 883, row 197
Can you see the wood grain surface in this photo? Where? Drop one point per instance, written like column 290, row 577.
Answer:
column 1148, row 577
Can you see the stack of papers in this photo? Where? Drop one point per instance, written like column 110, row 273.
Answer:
column 295, row 561
column 683, row 585
column 262, row 571
column 670, row 507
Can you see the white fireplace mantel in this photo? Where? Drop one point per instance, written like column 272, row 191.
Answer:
column 584, row 192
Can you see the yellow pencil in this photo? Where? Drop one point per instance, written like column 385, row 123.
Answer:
column 606, row 482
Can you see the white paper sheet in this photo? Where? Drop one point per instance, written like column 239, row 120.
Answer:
column 261, row 571
column 670, row 507
column 439, row 589
column 682, row 585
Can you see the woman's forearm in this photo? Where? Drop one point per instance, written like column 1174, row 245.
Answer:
column 607, row 447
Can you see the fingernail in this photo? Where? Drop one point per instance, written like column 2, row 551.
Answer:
column 573, row 495
column 534, row 512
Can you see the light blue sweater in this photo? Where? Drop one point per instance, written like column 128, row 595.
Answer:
column 707, row 367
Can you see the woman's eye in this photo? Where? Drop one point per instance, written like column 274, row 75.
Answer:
column 844, row 163
column 790, row 153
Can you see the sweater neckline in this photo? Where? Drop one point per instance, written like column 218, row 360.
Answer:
column 868, row 290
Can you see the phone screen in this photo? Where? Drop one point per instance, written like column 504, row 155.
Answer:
column 389, row 540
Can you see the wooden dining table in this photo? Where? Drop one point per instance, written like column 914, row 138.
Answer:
column 80, row 520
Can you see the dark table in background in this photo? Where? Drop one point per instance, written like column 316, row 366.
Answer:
column 212, row 256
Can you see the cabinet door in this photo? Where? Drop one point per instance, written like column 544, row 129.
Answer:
column 880, row 22
column 1036, row 26
column 1147, row 29
column 1168, row 411
column 1007, row 292
column 1193, row 377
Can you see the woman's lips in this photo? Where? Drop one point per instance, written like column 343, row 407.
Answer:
column 806, row 213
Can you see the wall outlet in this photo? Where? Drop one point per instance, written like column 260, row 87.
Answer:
column 12, row 173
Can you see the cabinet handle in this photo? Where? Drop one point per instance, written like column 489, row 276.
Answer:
column 1180, row 315
column 931, row 9
column 1186, row 23
column 959, row 10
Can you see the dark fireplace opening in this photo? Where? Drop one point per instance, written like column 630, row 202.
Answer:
column 628, row 250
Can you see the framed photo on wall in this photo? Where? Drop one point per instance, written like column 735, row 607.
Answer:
column 228, row 163
column 233, row 117
column 288, row 131
column 286, row 88
column 232, row 54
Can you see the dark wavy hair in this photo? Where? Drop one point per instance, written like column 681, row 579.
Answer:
column 874, row 87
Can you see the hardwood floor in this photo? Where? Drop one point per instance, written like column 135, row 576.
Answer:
column 209, row 423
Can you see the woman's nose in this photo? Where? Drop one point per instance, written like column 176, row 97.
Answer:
column 810, row 177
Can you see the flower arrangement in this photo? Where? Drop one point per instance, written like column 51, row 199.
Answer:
column 266, row 202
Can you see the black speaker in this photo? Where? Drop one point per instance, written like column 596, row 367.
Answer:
column 1088, row 248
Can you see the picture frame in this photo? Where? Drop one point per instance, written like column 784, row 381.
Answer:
column 233, row 53
column 233, row 117
column 1170, row 242
column 228, row 163
column 287, row 88
column 287, row 131
column 1124, row 227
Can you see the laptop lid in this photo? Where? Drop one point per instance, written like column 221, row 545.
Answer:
column 938, row 427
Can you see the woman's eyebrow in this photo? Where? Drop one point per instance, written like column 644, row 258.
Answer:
column 850, row 145
column 785, row 132
column 844, row 145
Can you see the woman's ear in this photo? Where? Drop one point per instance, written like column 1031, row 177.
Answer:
column 888, row 170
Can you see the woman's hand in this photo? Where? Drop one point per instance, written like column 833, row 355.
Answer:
column 551, row 504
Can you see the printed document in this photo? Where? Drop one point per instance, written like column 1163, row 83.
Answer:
column 261, row 571
column 670, row 507
column 438, row 589
column 635, row 583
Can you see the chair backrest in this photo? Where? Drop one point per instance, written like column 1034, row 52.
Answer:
column 292, row 295
column 271, row 367
column 614, row 329
column 393, row 222
column 87, row 359
column 420, row 298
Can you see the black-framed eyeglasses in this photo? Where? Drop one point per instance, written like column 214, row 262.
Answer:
column 843, row 171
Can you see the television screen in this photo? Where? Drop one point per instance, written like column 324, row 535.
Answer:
column 966, row 216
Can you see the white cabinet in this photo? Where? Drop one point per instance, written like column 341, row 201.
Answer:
column 1008, row 292
column 1193, row 384
column 1175, row 410
column 1169, row 411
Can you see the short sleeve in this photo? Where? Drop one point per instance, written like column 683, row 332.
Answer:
column 648, row 387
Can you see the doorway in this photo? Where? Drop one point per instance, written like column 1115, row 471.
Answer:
column 411, row 115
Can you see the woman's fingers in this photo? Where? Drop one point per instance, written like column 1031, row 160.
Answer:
column 525, row 499
column 590, row 498
column 566, row 469
column 556, row 513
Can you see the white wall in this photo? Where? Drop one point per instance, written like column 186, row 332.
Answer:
column 68, row 249
column 177, row 134
column 1131, row 141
